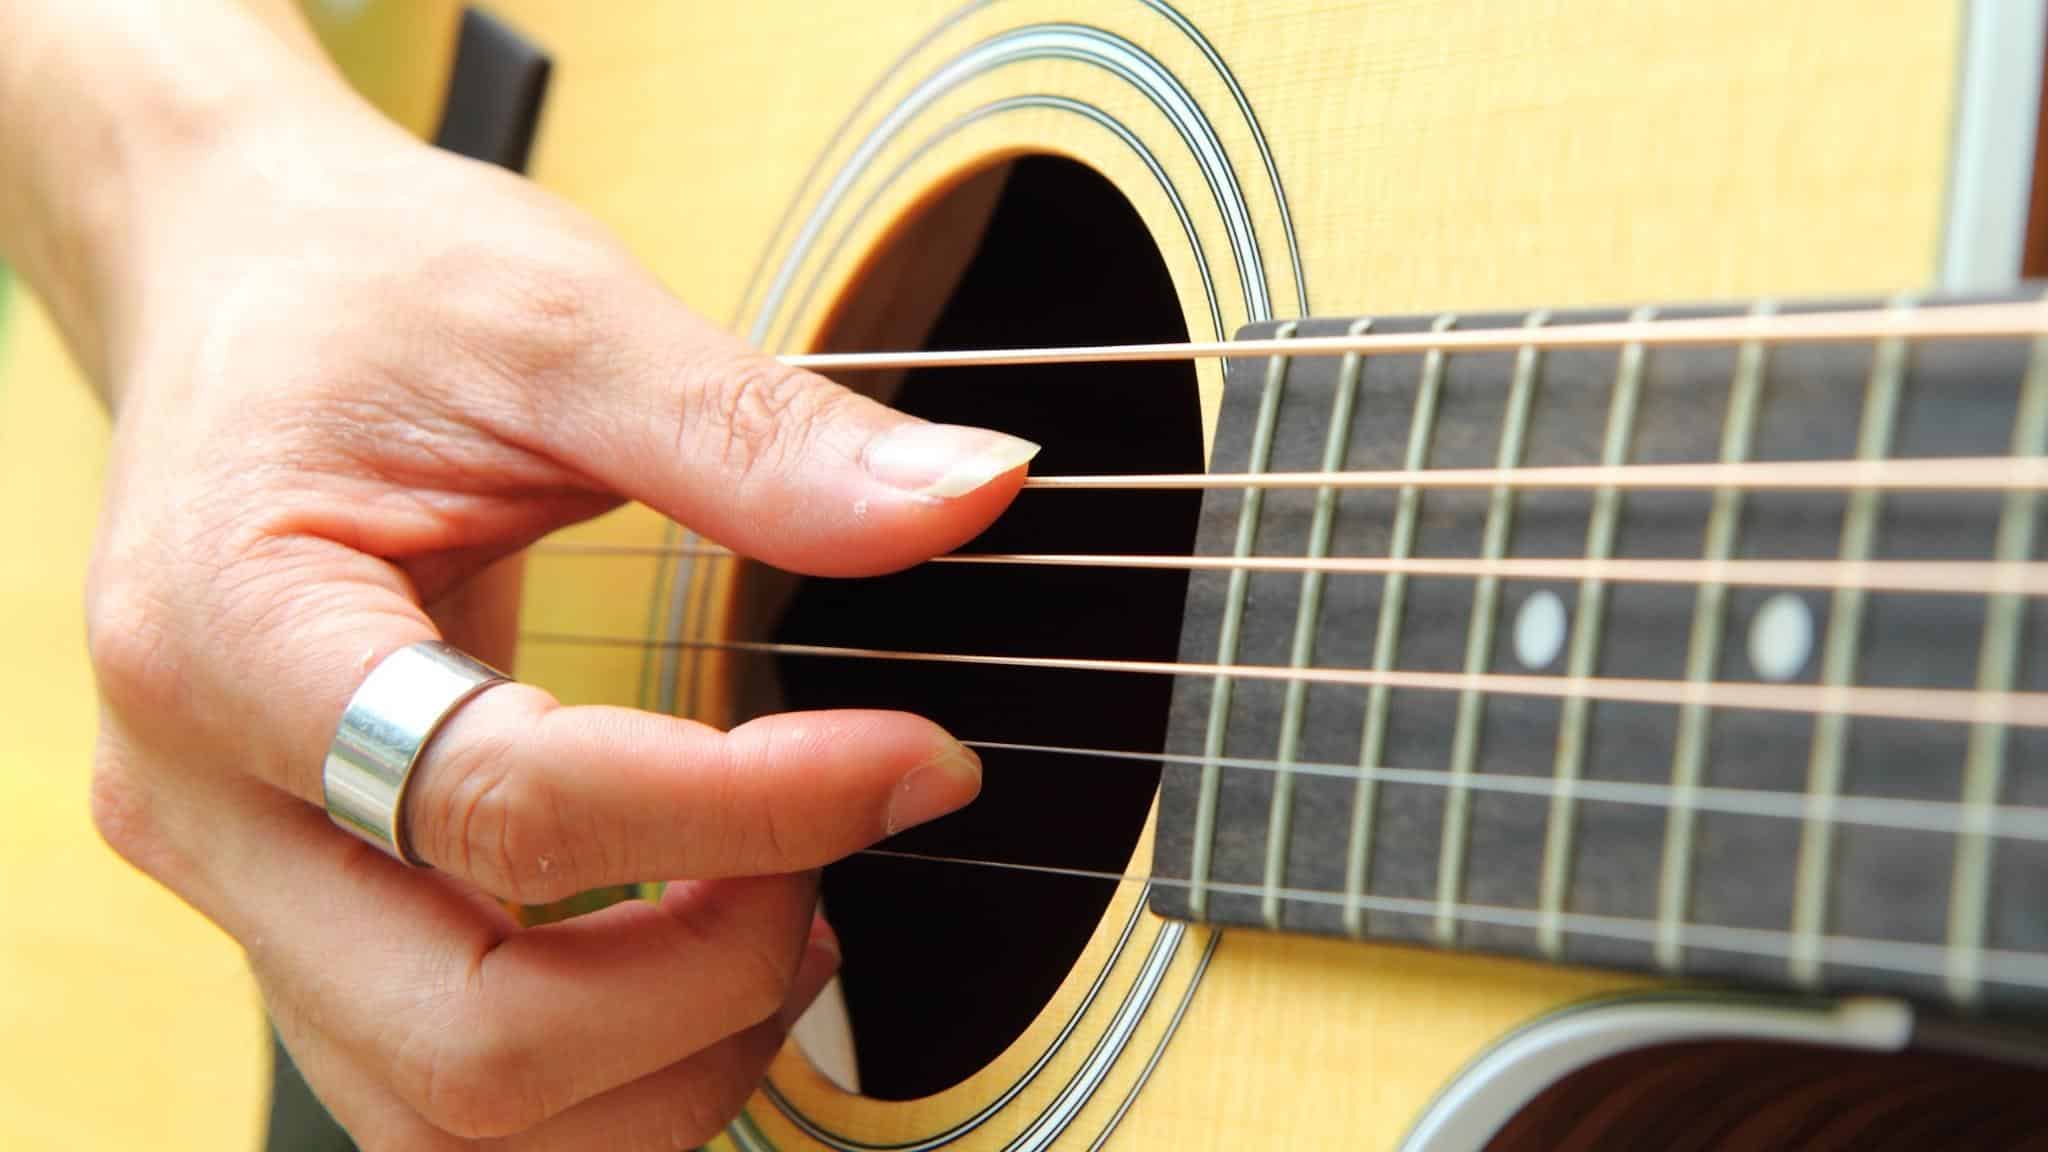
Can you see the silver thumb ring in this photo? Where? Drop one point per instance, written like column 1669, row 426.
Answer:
column 401, row 704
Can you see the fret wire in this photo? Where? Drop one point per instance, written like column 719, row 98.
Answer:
column 1281, row 812
column 2010, row 822
column 702, row 584
column 1998, row 658
column 1838, row 664
column 667, row 620
column 681, row 674
column 2016, row 968
column 1393, row 593
column 1703, row 654
column 1938, row 705
column 1227, row 640
column 1585, row 646
column 1500, row 513
column 649, row 688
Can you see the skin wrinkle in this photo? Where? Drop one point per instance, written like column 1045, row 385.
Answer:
column 380, row 424
column 452, row 518
column 351, row 372
column 502, row 1079
column 293, row 761
column 700, row 1115
column 463, row 1089
column 749, row 758
column 540, row 859
column 540, row 416
column 729, row 836
column 433, row 1018
column 130, row 649
column 760, row 973
column 581, row 860
column 778, row 844
column 479, row 790
column 425, row 524
column 331, row 503
column 747, row 416
column 682, row 954
column 416, row 1060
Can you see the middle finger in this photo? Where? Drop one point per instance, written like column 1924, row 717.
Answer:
column 486, row 1030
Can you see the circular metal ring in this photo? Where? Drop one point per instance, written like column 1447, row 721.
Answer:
column 401, row 704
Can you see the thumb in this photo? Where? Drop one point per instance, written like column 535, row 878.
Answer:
column 775, row 462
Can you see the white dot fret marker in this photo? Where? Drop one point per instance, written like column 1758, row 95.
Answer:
column 1781, row 637
column 1540, row 628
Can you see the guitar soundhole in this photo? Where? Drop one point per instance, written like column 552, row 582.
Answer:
column 947, row 964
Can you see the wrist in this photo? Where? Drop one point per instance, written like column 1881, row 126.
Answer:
column 109, row 117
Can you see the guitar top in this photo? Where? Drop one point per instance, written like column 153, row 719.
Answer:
column 1499, row 811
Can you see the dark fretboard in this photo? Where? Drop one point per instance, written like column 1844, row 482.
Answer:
column 1810, row 849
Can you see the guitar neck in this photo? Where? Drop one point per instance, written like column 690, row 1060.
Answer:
column 1810, row 775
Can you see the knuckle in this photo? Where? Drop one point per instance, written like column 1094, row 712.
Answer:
column 500, row 828
column 414, row 1137
column 760, row 416
column 129, row 645
column 719, row 1089
column 752, row 836
column 480, row 1086
column 121, row 812
column 778, row 839
column 752, row 826
column 756, row 839
column 762, row 970
column 699, row 1114
column 543, row 312
column 556, row 312
column 534, row 320
column 395, row 1128
column 718, row 826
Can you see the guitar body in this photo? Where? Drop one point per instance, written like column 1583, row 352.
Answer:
column 822, row 176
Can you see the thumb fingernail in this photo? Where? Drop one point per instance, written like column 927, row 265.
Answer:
column 944, row 461
column 820, row 963
column 932, row 789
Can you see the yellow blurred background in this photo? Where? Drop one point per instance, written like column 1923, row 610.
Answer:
column 126, row 1020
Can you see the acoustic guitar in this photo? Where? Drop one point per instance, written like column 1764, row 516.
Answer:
column 1528, row 629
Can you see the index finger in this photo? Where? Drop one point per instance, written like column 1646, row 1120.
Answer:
column 534, row 802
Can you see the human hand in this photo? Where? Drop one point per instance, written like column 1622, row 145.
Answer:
column 350, row 373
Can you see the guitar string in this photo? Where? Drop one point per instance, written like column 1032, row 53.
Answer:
column 1978, row 321
column 2010, row 821
column 1956, row 322
column 2002, row 966
column 1959, row 577
column 1928, row 474
column 1950, row 322
column 1941, row 705
column 1961, row 322
column 1932, row 322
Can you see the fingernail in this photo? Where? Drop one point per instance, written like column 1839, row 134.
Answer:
column 820, row 964
column 944, row 461
column 824, row 939
column 934, row 788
